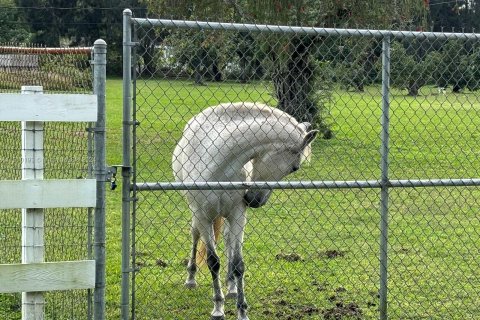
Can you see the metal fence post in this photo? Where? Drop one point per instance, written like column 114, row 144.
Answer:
column 127, row 98
column 384, row 178
column 99, row 76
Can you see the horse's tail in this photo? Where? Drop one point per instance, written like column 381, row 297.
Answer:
column 202, row 249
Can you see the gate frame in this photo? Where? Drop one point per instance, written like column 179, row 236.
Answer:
column 384, row 183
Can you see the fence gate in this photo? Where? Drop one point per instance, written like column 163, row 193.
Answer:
column 381, row 221
column 52, row 187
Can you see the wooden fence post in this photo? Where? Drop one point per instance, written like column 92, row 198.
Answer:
column 33, row 248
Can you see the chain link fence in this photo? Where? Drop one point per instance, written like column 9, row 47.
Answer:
column 69, row 153
column 388, row 200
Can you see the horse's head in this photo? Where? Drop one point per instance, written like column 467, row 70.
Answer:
column 277, row 163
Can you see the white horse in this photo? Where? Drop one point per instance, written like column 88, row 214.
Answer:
column 234, row 142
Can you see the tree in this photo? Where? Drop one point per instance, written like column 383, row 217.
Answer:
column 343, row 14
column 472, row 70
column 12, row 24
column 455, row 16
column 79, row 23
column 456, row 64
column 290, row 61
column 408, row 69
column 200, row 53
column 47, row 24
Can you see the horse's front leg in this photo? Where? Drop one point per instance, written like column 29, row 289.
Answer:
column 236, row 265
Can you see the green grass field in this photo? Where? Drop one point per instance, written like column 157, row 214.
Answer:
column 308, row 254
column 314, row 254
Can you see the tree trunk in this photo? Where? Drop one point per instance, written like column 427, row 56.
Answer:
column 217, row 74
column 148, row 59
column 294, row 84
column 413, row 89
column 198, row 75
column 456, row 88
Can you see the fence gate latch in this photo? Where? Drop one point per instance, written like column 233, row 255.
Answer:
column 112, row 176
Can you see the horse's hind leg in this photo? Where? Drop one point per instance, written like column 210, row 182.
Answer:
column 213, row 262
column 237, row 225
column 230, row 280
column 192, row 266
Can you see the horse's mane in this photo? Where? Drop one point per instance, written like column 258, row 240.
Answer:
column 240, row 113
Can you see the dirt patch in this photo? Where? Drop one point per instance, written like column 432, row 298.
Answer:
column 342, row 310
column 290, row 311
column 290, row 257
column 287, row 310
column 278, row 306
column 319, row 286
column 340, row 290
column 332, row 254
column 140, row 264
column 161, row 263
column 337, row 296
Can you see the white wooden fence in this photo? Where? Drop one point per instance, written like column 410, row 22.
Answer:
column 32, row 194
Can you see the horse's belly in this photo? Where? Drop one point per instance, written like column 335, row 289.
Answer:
column 215, row 202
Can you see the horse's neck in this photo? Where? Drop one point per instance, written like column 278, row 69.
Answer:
column 223, row 139
column 244, row 142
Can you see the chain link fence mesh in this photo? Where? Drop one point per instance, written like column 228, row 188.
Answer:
column 315, row 253
column 68, row 153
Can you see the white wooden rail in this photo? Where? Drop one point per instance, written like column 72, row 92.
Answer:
column 32, row 194
column 76, row 193
column 52, row 107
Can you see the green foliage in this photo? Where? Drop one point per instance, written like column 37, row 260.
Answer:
column 455, row 15
column 289, row 61
column 12, row 28
column 336, row 13
column 457, row 66
column 203, row 54
column 472, row 70
column 78, row 23
column 408, row 71
column 356, row 62
column 448, row 64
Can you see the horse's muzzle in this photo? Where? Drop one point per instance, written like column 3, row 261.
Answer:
column 256, row 198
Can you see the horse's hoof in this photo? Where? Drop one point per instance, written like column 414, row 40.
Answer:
column 190, row 284
column 218, row 318
column 231, row 295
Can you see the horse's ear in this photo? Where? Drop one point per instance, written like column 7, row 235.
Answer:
column 311, row 135
column 306, row 126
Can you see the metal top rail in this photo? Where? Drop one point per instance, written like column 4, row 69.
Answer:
column 205, row 25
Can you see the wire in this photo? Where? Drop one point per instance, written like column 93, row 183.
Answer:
column 444, row 2
column 76, row 8
column 63, row 23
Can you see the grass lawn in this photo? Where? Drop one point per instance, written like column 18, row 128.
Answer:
column 308, row 254
column 314, row 254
